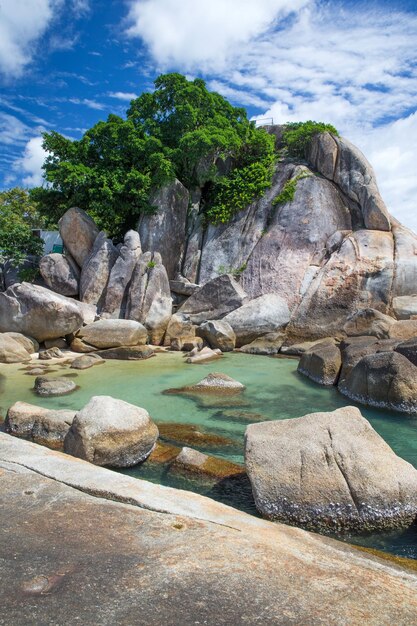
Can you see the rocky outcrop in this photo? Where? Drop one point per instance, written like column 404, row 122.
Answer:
column 321, row 363
column 118, row 522
column 111, row 432
column 219, row 334
column 113, row 333
column 387, row 380
column 266, row 314
column 214, row 300
column 47, row 387
column 78, row 231
column 368, row 322
column 310, row 472
column 12, row 351
column 43, row 426
column 60, row 273
column 149, row 300
column 116, row 293
column 37, row 312
column 167, row 223
column 96, row 270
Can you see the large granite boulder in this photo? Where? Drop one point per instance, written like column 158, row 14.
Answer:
column 78, row 231
column 28, row 343
column 127, row 353
column 404, row 306
column 408, row 349
column 340, row 161
column 166, row 224
column 329, row 472
column 113, row 333
column 368, row 322
column 216, row 383
column 219, row 334
column 403, row 330
column 354, row 349
column 387, row 380
column 268, row 344
column 60, row 273
column 38, row 312
column 12, row 351
column 214, row 300
column 115, row 298
column 96, row 270
column 86, row 361
column 266, row 314
column 48, row 387
column 149, row 300
column 321, row 363
column 179, row 327
column 111, row 432
column 43, row 426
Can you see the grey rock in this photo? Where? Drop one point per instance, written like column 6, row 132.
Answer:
column 78, row 345
column 179, row 326
column 266, row 314
column 60, row 273
column 111, row 432
column 329, row 471
column 186, row 344
column 86, row 361
column 205, row 355
column 404, row 306
column 403, row 330
column 219, row 334
column 12, row 351
column 113, row 333
column 47, row 387
column 42, row 426
column 354, row 351
column 268, row 344
column 214, row 300
column 368, row 322
column 183, row 287
column 127, row 353
column 96, row 270
column 78, row 232
column 149, row 300
column 321, row 363
column 164, row 230
column 386, row 380
column 115, row 299
column 37, row 312
column 297, row 349
column 51, row 353
column 59, row 342
column 408, row 349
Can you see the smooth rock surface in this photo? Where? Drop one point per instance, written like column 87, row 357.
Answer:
column 180, row 540
column 86, row 361
column 329, row 471
column 321, row 363
column 214, row 300
column 266, row 314
column 113, row 333
column 43, row 426
column 11, row 350
column 386, row 380
column 369, row 322
column 96, row 270
column 267, row 344
column 37, row 312
column 78, row 231
column 115, row 298
column 60, row 273
column 215, row 382
column 111, row 432
column 28, row 343
column 219, row 334
column 204, row 355
column 127, row 353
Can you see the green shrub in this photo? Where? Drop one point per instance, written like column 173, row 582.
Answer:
column 288, row 191
column 297, row 136
column 151, row 264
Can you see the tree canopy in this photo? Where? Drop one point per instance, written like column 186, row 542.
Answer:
column 18, row 216
column 180, row 130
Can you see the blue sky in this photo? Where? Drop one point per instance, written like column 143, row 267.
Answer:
column 65, row 64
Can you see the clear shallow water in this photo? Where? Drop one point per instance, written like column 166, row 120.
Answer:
column 274, row 391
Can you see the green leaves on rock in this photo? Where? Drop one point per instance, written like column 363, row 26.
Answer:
column 297, row 136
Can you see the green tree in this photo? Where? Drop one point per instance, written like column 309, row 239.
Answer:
column 18, row 216
column 179, row 130
column 297, row 136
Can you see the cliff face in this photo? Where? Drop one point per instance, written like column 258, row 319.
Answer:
column 332, row 250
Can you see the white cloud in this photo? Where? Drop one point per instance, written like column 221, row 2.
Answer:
column 201, row 35
column 392, row 150
column 12, row 130
column 21, row 26
column 121, row 95
column 29, row 166
column 92, row 104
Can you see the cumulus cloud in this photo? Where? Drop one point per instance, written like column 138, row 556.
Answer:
column 122, row 95
column 20, row 27
column 201, row 35
column 29, row 166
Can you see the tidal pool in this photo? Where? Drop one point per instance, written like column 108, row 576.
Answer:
column 274, row 391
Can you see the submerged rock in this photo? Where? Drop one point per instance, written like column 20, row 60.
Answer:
column 329, row 472
column 42, row 426
column 321, row 363
column 111, row 432
column 195, row 462
column 47, row 387
column 216, row 383
column 190, row 434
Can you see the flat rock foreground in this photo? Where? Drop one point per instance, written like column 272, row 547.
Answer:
column 85, row 545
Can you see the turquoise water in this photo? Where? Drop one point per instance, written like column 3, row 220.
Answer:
column 274, row 391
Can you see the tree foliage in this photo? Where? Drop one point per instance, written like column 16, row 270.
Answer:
column 179, row 130
column 297, row 136
column 18, row 216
